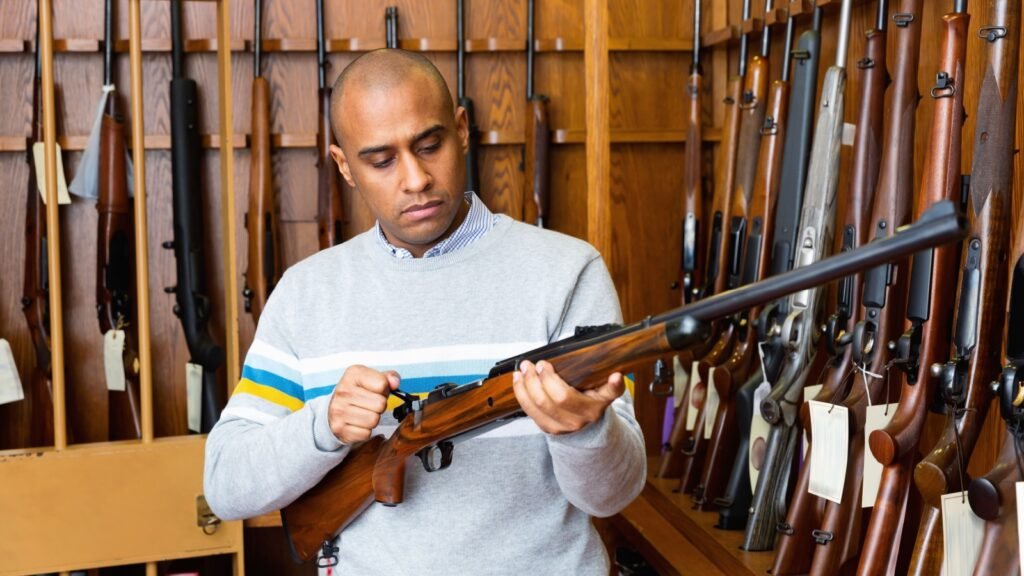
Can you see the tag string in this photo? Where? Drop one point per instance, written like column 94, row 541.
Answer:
column 888, row 366
column 956, row 414
column 842, row 385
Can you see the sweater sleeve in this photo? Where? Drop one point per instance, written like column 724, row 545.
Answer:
column 270, row 445
column 611, row 449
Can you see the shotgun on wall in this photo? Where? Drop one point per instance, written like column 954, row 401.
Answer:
column 115, row 254
column 264, row 268
column 330, row 213
column 929, row 307
column 192, row 306
column 691, row 267
column 35, row 300
column 537, row 150
column 375, row 470
column 472, row 161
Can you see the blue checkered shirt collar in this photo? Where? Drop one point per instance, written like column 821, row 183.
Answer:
column 478, row 222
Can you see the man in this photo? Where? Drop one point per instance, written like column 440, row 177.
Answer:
column 437, row 292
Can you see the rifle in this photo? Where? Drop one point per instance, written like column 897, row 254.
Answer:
column 730, row 220
column 391, row 26
column 330, row 213
column 679, row 458
column 735, row 502
column 466, row 103
column 537, row 154
column 806, row 511
column 115, row 263
column 264, row 269
column 749, row 259
column 924, row 343
column 817, row 220
column 693, row 241
column 35, row 301
column 993, row 497
column 375, row 470
column 963, row 380
column 192, row 307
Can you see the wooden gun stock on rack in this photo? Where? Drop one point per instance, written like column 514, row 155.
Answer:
column 376, row 470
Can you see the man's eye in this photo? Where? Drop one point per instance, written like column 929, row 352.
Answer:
column 382, row 163
column 431, row 148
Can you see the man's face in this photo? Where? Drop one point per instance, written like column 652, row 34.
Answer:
column 404, row 152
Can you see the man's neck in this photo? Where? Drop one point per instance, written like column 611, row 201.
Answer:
column 418, row 250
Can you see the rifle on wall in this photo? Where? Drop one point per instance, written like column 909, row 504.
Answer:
column 35, row 300
column 925, row 342
column 798, row 532
column 264, row 268
column 537, row 151
column 748, row 259
column 330, row 213
column 472, row 162
column 691, row 267
column 735, row 502
column 375, row 470
column 192, row 306
column 115, row 261
column 817, row 219
column 391, row 26
column 963, row 382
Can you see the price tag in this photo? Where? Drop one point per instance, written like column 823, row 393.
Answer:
column 711, row 406
column 697, row 391
column 1020, row 523
column 831, row 429
column 194, row 395
column 849, row 133
column 113, row 360
column 962, row 533
column 39, row 161
column 759, row 429
column 810, row 392
column 10, row 383
column 878, row 417
column 680, row 380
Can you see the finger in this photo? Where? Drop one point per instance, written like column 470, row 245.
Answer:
column 609, row 391
column 562, row 395
column 353, row 434
column 367, row 400
column 355, row 416
column 374, row 381
column 529, row 406
column 394, row 379
column 534, row 387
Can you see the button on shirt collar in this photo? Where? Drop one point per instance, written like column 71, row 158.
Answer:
column 478, row 222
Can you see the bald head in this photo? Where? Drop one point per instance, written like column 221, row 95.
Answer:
column 378, row 72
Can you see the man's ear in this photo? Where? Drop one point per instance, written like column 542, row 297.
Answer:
column 339, row 158
column 462, row 128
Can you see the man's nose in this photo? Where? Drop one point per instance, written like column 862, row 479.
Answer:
column 415, row 177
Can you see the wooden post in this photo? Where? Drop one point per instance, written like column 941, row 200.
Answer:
column 227, row 194
column 598, row 145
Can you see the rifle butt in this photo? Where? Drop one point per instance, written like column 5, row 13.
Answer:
column 720, row 448
column 538, row 161
column 211, row 401
column 794, row 540
column 672, row 462
column 927, row 558
column 761, row 527
column 261, row 220
column 886, row 527
column 735, row 504
column 41, row 433
column 346, row 491
column 472, row 151
column 843, row 521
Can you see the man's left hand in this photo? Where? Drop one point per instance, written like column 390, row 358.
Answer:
column 556, row 407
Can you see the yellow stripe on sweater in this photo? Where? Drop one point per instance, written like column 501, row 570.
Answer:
column 246, row 386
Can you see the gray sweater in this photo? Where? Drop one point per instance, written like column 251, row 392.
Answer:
column 515, row 500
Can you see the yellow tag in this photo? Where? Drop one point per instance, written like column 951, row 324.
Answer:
column 711, row 406
column 39, row 161
column 831, row 429
column 759, row 429
column 962, row 533
column 194, row 395
column 696, row 398
column 10, row 383
column 878, row 417
column 113, row 360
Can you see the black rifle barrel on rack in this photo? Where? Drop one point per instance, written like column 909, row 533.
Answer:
column 472, row 164
column 192, row 306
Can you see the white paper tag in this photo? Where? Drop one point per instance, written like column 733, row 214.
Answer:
column 10, row 383
column 962, row 533
column 1020, row 524
column 711, row 405
column 680, row 380
column 698, row 390
column 830, row 427
column 39, row 162
column 810, row 392
column 194, row 395
column 113, row 360
column 759, row 429
column 849, row 133
column 878, row 417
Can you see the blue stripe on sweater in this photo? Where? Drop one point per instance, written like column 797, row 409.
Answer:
column 410, row 385
column 275, row 381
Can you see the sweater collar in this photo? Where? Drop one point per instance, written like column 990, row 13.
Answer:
column 479, row 220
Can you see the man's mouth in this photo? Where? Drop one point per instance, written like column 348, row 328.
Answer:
column 422, row 211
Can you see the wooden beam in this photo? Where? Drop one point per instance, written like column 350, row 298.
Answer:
column 229, row 249
column 598, row 102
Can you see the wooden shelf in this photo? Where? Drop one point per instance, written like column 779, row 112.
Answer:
column 801, row 7
column 721, row 36
column 752, row 25
column 776, row 17
column 193, row 45
column 722, row 547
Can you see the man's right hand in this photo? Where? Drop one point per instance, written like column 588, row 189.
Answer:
column 359, row 399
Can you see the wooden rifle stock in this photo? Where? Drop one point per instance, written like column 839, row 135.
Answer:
column 115, row 271
column 691, row 269
column 538, row 160
column 584, row 361
column 974, row 362
column 993, row 497
column 926, row 342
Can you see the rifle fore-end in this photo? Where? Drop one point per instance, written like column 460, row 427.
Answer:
column 538, row 161
column 694, row 223
column 264, row 267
